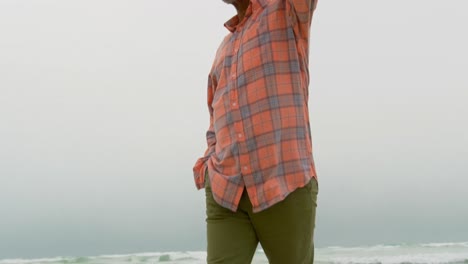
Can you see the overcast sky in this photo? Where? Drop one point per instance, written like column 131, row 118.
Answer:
column 103, row 114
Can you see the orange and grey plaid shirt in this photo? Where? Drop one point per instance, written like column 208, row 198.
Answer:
column 259, row 135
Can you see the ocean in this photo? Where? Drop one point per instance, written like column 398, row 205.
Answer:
column 429, row 253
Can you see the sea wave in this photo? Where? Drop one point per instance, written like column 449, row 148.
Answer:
column 424, row 253
column 448, row 244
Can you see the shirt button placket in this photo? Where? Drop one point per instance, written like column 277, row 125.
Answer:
column 238, row 126
column 234, row 100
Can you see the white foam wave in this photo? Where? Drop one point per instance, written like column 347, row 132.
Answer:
column 406, row 259
column 447, row 244
column 24, row 261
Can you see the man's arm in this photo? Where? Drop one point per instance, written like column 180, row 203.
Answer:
column 201, row 165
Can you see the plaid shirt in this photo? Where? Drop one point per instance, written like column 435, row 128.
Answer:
column 259, row 134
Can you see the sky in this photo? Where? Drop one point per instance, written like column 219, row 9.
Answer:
column 103, row 114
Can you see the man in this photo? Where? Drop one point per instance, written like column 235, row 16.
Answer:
column 258, row 170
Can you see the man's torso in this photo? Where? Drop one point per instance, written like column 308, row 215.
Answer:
column 259, row 82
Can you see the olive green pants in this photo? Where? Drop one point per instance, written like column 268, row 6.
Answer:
column 285, row 230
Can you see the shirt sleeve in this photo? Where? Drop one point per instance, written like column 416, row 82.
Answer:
column 201, row 165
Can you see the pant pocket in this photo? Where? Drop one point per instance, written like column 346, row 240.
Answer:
column 315, row 185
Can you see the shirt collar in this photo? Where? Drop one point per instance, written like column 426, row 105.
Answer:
column 234, row 22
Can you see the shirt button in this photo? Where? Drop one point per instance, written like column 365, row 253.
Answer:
column 234, row 104
column 239, row 135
